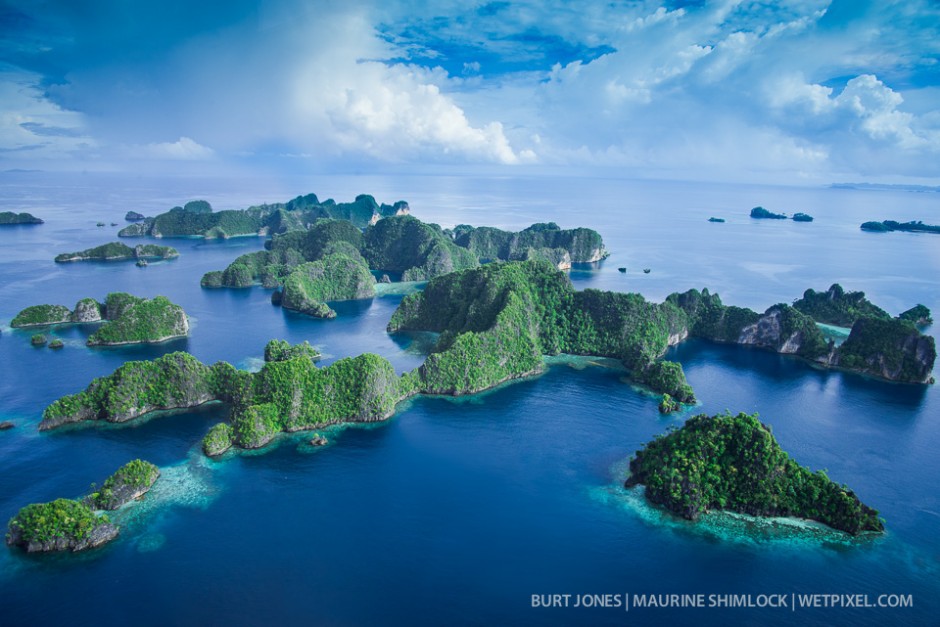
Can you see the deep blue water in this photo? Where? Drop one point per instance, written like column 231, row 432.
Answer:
column 457, row 512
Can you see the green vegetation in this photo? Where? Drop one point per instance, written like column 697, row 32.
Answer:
column 667, row 377
column 893, row 349
column 116, row 251
column 218, row 440
column 838, row 307
column 56, row 344
column 142, row 321
column 38, row 340
column 891, row 225
column 668, row 405
column 918, row 314
column 41, row 315
column 59, row 525
column 761, row 213
column 497, row 321
column 129, row 482
column 281, row 350
column 734, row 463
column 136, row 388
column 334, row 277
column 403, row 244
column 491, row 244
column 256, row 425
column 418, row 250
column 8, row 217
column 196, row 218
column 286, row 395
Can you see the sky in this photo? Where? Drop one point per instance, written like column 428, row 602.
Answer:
column 795, row 91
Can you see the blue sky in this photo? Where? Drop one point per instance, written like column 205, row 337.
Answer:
column 796, row 91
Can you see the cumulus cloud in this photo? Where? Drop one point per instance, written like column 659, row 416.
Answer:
column 184, row 149
column 33, row 126
column 721, row 89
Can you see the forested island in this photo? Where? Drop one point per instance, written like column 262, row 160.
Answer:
column 127, row 319
column 734, row 463
column 10, row 218
column 73, row 525
column 406, row 246
column 495, row 323
column 762, row 214
column 117, row 251
column 891, row 225
column 197, row 219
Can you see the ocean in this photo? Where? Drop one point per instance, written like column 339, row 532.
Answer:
column 475, row 510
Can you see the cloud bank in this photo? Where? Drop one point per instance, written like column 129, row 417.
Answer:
column 739, row 90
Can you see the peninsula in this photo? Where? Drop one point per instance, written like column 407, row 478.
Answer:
column 734, row 463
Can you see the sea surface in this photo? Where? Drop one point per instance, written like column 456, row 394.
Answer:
column 459, row 511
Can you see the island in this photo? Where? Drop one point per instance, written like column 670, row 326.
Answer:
column 41, row 315
column 38, row 340
column 56, row 344
column 11, row 218
column 891, row 225
column 140, row 321
column 130, row 482
column 116, row 251
column 495, row 324
column 763, row 214
column 713, row 219
column 734, row 463
column 133, row 216
column 334, row 277
column 127, row 319
column 61, row 525
column 802, row 217
column 73, row 525
column 838, row 307
column 197, row 219
column 919, row 315
column 404, row 245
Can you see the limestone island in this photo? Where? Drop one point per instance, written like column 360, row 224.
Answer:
column 734, row 463
column 61, row 525
column 130, row 482
column 713, row 219
column 407, row 246
column 73, row 525
column 197, row 219
column 128, row 319
column 495, row 324
column 133, row 216
column 763, row 214
column 802, row 217
column 891, row 225
column 116, row 251
column 10, row 218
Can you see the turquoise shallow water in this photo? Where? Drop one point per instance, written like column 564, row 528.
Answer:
column 458, row 511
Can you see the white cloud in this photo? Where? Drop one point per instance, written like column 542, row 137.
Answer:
column 184, row 149
column 32, row 126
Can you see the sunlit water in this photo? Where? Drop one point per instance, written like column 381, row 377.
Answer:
column 458, row 511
